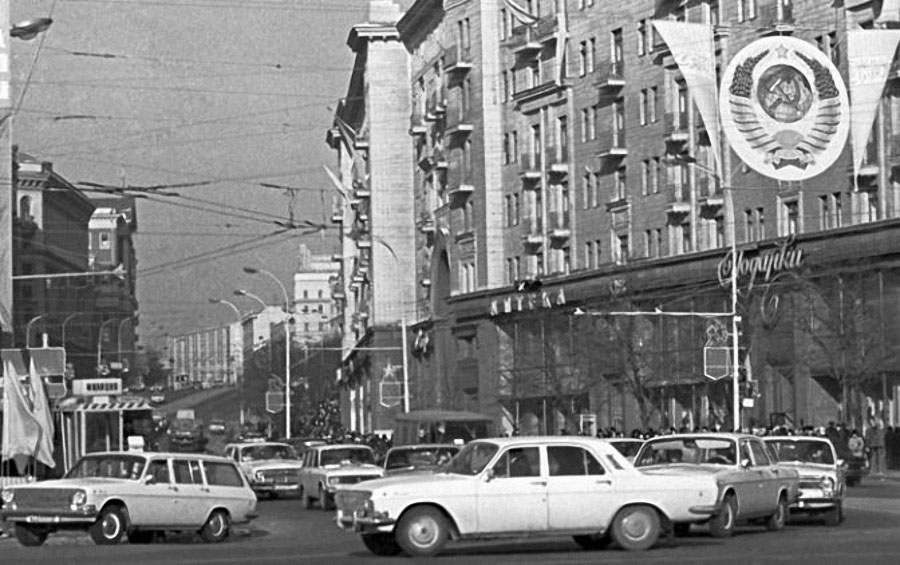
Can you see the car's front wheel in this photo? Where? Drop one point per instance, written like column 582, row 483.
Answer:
column 31, row 536
column 593, row 541
column 636, row 528
column 110, row 526
column 776, row 521
column 383, row 545
column 722, row 524
column 422, row 532
column 835, row 516
column 216, row 528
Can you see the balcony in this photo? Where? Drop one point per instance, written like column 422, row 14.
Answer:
column 613, row 147
column 457, row 59
column 558, row 160
column 869, row 170
column 337, row 214
column 679, row 199
column 611, row 75
column 426, row 223
column 459, row 123
column 533, row 230
column 560, row 226
column 710, row 194
column 776, row 17
column 459, row 181
column 676, row 127
column 530, row 166
column 463, row 188
column 361, row 141
column 439, row 158
column 417, row 125
column 529, row 40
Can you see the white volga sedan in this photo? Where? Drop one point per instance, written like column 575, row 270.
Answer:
column 524, row 487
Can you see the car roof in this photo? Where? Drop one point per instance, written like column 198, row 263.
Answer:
column 256, row 444
column 710, row 435
column 160, row 455
column 545, row 440
column 621, row 440
column 339, row 446
column 797, row 438
column 414, row 446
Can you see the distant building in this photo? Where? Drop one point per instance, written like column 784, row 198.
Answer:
column 314, row 309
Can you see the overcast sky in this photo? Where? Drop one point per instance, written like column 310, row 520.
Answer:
column 230, row 92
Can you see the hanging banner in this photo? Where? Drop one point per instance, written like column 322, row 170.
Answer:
column 521, row 13
column 784, row 108
column 890, row 12
column 562, row 40
column 870, row 53
column 693, row 48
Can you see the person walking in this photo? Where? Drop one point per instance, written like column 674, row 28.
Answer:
column 875, row 441
column 856, row 444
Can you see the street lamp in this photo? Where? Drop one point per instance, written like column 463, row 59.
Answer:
column 288, row 341
column 242, row 292
column 230, row 357
column 66, row 321
column 100, row 343
column 28, row 329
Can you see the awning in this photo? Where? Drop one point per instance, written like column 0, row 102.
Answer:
column 109, row 407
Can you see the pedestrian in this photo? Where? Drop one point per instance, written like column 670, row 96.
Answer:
column 875, row 442
column 856, row 444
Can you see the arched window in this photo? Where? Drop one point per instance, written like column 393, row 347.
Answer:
column 25, row 208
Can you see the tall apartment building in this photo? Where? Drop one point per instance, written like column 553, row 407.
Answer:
column 572, row 243
column 314, row 309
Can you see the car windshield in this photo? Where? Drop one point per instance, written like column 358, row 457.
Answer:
column 802, row 451
column 674, row 450
column 267, row 451
column 627, row 448
column 472, row 458
column 355, row 455
column 419, row 457
column 108, row 467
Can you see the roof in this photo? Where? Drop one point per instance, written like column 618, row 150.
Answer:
column 544, row 440
column 442, row 416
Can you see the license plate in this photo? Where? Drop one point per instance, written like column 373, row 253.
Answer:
column 41, row 519
column 285, row 487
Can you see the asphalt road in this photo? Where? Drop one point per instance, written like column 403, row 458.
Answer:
column 285, row 533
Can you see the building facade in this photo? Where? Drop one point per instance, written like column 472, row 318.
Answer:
column 573, row 235
column 314, row 309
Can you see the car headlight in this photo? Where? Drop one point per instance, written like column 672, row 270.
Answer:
column 827, row 484
column 78, row 499
column 333, row 480
column 8, row 496
column 259, row 476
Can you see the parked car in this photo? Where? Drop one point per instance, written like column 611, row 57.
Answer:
column 627, row 446
column 327, row 467
column 418, row 457
column 751, row 484
column 272, row 468
column 133, row 495
column 821, row 475
column 157, row 397
column 217, row 427
column 524, row 486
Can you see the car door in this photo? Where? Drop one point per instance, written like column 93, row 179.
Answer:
column 769, row 473
column 580, row 491
column 155, row 495
column 192, row 499
column 513, row 495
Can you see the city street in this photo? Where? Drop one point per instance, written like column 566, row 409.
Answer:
column 285, row 533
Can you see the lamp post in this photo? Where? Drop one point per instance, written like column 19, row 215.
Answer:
column 228, row 360
column 100, row 343
column 288, row 340
column 28, row 329
column 24, row 30
column 66, row 321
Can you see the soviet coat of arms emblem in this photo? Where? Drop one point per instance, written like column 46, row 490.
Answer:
column 784, row 108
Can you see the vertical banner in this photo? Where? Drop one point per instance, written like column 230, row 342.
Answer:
column 520, row 13
column 693, row 48
column 870, row 53
column 562, row 41
column 6, row 196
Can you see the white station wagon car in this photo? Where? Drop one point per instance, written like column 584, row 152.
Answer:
column 113, row 495
column 524, row 487
column 273, row 469
column 328, row 467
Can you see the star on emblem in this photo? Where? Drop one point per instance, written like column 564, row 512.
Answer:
column 782, row 51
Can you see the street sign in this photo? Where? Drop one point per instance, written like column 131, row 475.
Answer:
column 716, row 362
column 274, row 402
column 391, row 393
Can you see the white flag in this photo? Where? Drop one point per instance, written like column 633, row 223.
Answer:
column 890, row 12
column 870, row 53
column 521, row 13
column 693, row 49
column 562, row 40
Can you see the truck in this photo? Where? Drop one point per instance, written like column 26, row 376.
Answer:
column 186, row 433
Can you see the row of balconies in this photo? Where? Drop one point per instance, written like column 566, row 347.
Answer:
column 529, row 40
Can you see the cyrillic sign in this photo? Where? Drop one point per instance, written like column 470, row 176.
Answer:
column 767, row 264
column 96, row 387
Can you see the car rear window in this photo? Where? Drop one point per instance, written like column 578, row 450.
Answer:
column 222, row 474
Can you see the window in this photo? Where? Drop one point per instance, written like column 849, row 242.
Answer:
column 591, row 54
column 585, row 117
column 516, row 209
column 642, row 37
column 659, row 242
column 586, row 189
column 566, row 260
column 159, row 470
column 837, row 211
column 506, row 86
column 749, row 225
column 760, row 223
column 504, row 24
column 824, row 212
column 597, row 253
column 655, row 171
column 645, row 177
column 568, row 461
column 588, row 253
column 746, row 10
column 104, row 240
column 514, row 144
column 652, row 101
column 617, row 51
column 187, row 472
column 642, row 107
column 321, row 293
column 648, row 244
column 620, row 186
column 518, row 462
column 686, row 237
column 622, row 251
column 619, row 123
column 592, row 123
column 582, row 58
column 25, row 207
column 790, row 217
column 222, row 474
column 720, row 231
column 595, row 189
